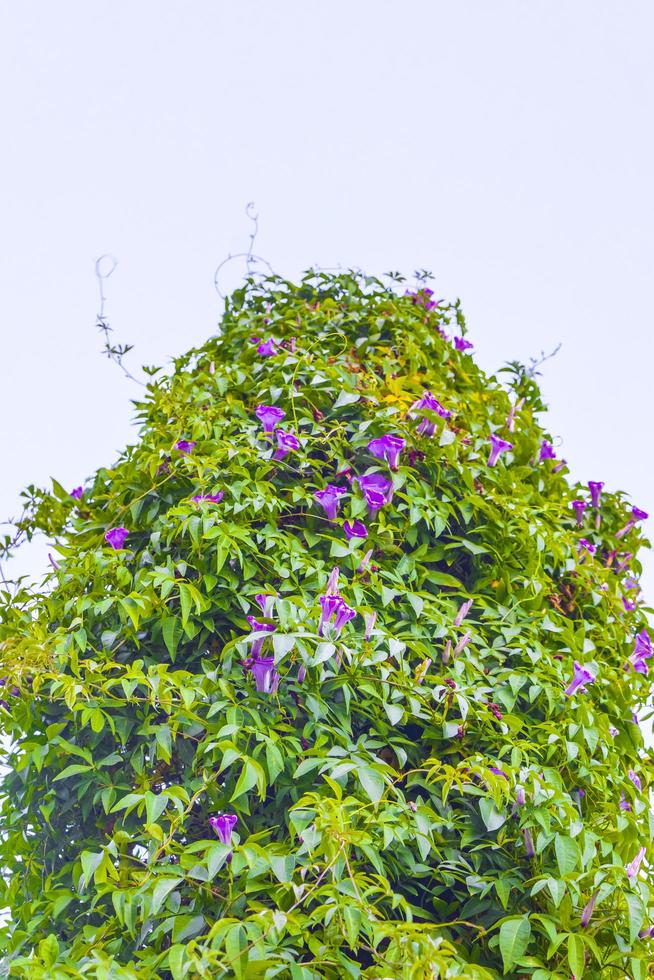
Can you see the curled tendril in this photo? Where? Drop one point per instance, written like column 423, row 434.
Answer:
column 250, row 258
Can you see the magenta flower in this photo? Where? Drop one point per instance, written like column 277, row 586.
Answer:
column 585, row 545
column 624, row 561
column 287, row 442
column 369, row 620
column 631, row 583
column 628, row 605
column 301, row 673
column 579, row 506
column 209, row 498
column 641, row 653
column 332, row 581
column 462, row 344
column 223, row 825
column 463, row 612
column 635, row 778
column 377, row 490
column 328, row 499
column 636, row 515
column 546, row 451
column 269, row 416
column 266, row 678
column 77, row 493
column 520, row 797
column 530, row 850
column 357, row 529
column 498, row 446
column 334, row 611
column 428, row 401
column 387, row 447
column 588, row 910
column 559, row 466
column 257, row 627
column 266, row 603
column 633, row 867
column 423, row 297
column 116, row 536
column 365, row 561
column 267, row 348
column 510, row 419
column 581, row 677
column 624, row 803
column 499, row 772
column 595, row 492
column 185, row 446
column 462, row 644
column 613, row 730
column 426, row 427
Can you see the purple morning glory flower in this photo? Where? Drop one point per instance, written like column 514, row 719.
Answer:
column 257, row 627
column 499, row 772
column 423, row 297
column 624, row 561
column 462, row 644
column 287, row 442
column 624, row 803
column 387, row 447
column 210, row 498
column 333, row 607
column 628, row 605
column 269, row 416
column 462, row 344
column 498, row 446
column 365, row 561
column 332, row 581
column 426, row 427
column 185, row 446
column 328, row 499
column 559, row 466
column 546, row 451
column 636, row 515
column 581, row 677
column 633, row 867
column 579, row 506
column 510, row 419
column 77, row 493
column 585, row 545
column 357, row 529
column 641, row 653
column 267, row 348
column 635, row 778
column 520, row 797
column 595, row 492
column 377, row 490
column 588, row 911
column 369, row 619
column 631, row 583
column 223, row 825
column 265, row 602
column 428, row 401
column 530, row 850
column 613, row 730
column 463, row 612
column 266, row 678
column 116, row 536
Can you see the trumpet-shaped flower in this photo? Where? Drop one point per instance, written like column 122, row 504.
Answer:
column 269, row 416
column 636, row 515
column 267, row 348
column 257, row 627
column 184, row 446
column 633, row 867
column 329, row 499
column 426, row 427
column 462, row 344
column 581, row 677
column 223, row 825
column 588, row 910
column 287, row 442
column 265, row 602
column 635, row 778
column 423, row 297
column 387, row 447
column 579, row 506
column 377, row 490
column 463, row 612
column 334, row 612
column 209, row 498
column 546, row 451
column 428, row 401
column 77, row 493
column 595, row 492
column 585, row 545
column 497, row 446
column 356, row 529
column 369, row 619
column 641, row 653
column 266, row 678
column 116, row 537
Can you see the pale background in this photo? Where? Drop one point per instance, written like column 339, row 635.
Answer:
column 506, row 146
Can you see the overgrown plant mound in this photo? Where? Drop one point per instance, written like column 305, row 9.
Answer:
column 335, row 674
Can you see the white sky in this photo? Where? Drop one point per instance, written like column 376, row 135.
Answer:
column 506, row 146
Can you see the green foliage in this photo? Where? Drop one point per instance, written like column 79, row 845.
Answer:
column 380, row 828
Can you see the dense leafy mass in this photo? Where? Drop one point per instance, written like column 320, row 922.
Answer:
column 334, row 674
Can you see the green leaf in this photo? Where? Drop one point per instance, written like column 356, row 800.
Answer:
column 73, row 770
column 372, row 783
column 576, row 956
column 567, row 854
column 515, row 934
column 161, row 891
